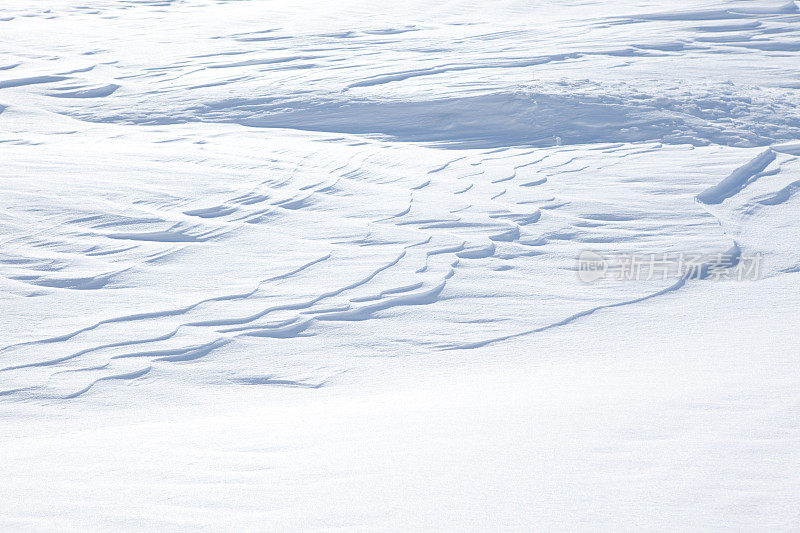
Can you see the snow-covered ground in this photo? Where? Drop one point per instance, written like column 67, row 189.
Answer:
column 272, row 265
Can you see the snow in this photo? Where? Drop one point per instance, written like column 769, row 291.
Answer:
column 286, row 267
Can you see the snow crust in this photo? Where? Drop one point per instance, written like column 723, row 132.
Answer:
column 284, row 266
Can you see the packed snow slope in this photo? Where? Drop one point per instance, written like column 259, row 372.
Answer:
column 276, row 265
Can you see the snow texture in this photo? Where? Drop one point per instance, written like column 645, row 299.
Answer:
column 312, row 266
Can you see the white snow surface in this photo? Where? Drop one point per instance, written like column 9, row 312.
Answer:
column 270, row 265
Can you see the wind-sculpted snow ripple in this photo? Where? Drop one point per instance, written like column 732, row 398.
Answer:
column 326, row 243
column 286, row 200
